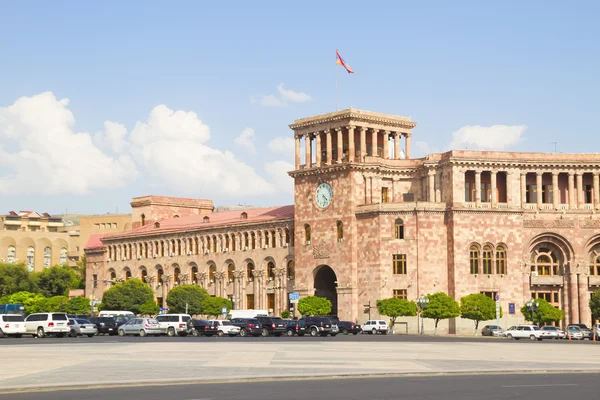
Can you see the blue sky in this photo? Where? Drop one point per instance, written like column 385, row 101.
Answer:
column 457, row 68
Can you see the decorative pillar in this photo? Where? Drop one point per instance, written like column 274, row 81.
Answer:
column 407, row 144
column 374, row 143
column 584, row 307
column 307, row 149
column 328, row 146
column 555, row 191
column 580, row 192
column 572, row 204
column 318, row 149
column 596, row 200
column 493, row 176
column 538, row 187
column 477, row 187
column 573, row 288
column 297, row 140
column 397, row 146
column 565, row 306
column 340, row 144
column 386, row 139
column 523, row 189
column 363, row 143
column 350, row 143
column 509, row 185
column 431, row 182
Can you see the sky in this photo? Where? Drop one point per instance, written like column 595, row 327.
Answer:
column 101, row 102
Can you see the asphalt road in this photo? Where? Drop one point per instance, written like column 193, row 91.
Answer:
column 338, row 338
column 457, row 387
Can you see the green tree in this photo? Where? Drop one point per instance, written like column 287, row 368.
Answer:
column 394, row 308
column 440, row 306
column 15, row 278
column 285, row 314
column 192, row 295
column 478, row 307
column 313, row 305
column 57, row 280
column 55, row 304
column 127, row 296
column 214, row 305
column 80, row 271
column 545, row 313
column 31, row 301
column 79, row 305
column 149, row 308
column 595, row 304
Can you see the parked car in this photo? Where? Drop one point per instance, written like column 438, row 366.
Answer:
column 375, row 326
column 319, row 326
column 505, row 333
column 596, row 330
column 585, row 331
column 12, row 325
column 491, row 330
column 272, row 326
column 575, row 333
column 248, row 326
column 225, row 327
column 105, row 325
column 174, row 324
column 202, row 327
column 44, row 324
column 553, row 332
column 295, row 327
column 349, row 327
column 141, row 327
column 80, row 327
column 532, row 332
column 109, row 313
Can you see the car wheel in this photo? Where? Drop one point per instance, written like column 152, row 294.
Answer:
column 313, row 332
column 265, row 332
column 121, row 332
column 170, row 332
column 195, row 332
column 142, row 333
column 532, row 337
column 1, row 333
column 509, row 336
column 345, row 331
column 243, row 333
column 90, row 335
column 290, row 333
column 374, row 331
column 333, row 334
column 355, row 333
column 73, row 333
column 40, row 332
column 220, row 334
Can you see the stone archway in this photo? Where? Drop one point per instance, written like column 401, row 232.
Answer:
column 325, row 286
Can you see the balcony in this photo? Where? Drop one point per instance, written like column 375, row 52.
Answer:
column 546, row 280
column 12, row 222
column 594, row 280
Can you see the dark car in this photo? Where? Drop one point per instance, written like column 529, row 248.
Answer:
column 122, row 319
column 491, row 330
column 272, row 326
column 318, row 325
column 295, row 327
column 248, row 326
column 202, row 327
column 587, row 332
column 347, row 327
column 105, row 325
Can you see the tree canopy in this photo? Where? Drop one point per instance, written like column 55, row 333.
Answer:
column 546, row 313
column 193, row 295
column 313, row 305
column 149, row 308
column 595, row 304
column 15, row 278
column 394, row 308
column 440, row 306
column 56, row 280
column 127, row 296
column 477, row 307
column 214, row 305
column 79, row 305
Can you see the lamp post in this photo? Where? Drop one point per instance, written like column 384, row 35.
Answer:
column 422, row 302
column 532, row 305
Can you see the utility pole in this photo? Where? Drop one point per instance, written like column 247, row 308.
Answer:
column 555, row 143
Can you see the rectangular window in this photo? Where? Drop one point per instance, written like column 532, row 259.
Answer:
column 250, row 301
column 588, row 194
column 384, row 195
column 491, row 295
column 271, row 301
column 547, row 194
column 487, row 262
column 400, row 294
column 399, row 263
column 531, row 194
column 469, row 192
column 486, row 192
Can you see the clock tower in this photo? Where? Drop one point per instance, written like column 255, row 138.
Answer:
column 336, row 235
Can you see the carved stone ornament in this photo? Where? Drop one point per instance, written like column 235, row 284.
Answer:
column 549, row 224
column 590, row 224
column 321, row 251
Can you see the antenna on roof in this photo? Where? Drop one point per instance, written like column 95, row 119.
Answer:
column 555, row 143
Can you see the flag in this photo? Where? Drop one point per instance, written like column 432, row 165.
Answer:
column 339, row 60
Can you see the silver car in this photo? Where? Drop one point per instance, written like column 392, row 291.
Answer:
column 80, row 327
column 140, row 326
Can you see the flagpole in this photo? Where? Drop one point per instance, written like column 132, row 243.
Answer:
column 336, row 82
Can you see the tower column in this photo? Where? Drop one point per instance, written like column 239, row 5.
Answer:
column 572, row 190
column 386, row 140
column 307, row 149
column 374, row 143
column 477, row 187
column 328, row 146
column 493, row 176
column 431, row 182
column 538, row 185
column 596, row 180
column 397, row 146
column 555, row 192
column 340, row 144
column 407, row 145
column 523, row 189
column 350, row 143
column 318, row 148
column 363, row 143
column 580, row 192
column 297, row 140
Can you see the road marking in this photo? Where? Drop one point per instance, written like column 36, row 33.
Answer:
column 541, row 385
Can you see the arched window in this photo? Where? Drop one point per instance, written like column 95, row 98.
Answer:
column 47, row 257
column 253, row 237
column 195, row 275
column 113, row 276
column 500, row 260
column 291, row 270
column 157, row 224
column 12, row 254
column 287, row 237
column 230, row 271
column 176, row 273
column 246, row 241
column 244, row 215
column 307, row 234
column 159, row 275
column 487, row 260
column 234, row 240
column 144, row 275
column 30, row 259
column 127, row 275
column 270, row 270
column 212, row 270
column 544, row 262
column 595, row 263
column 474, row 259
column 399, row 229
column 205, row 220
column 273, row 239
column 143, row 219
column 175, row 216
column 63, row 256
column 250, row 270
column 340, row 231
column 214, row 244
column 227, row 242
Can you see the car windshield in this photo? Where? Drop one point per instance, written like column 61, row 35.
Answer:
column 13, row 318
column 536, row 328
column 582, row 326
column 59, row 317
column 83, row 321
column 226, row 323
column 152, row 321
column 549, row 328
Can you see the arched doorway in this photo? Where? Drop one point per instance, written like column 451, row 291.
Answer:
column 325, row 286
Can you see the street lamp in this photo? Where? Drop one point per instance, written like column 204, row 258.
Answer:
column 533, row 305
column 422, row 304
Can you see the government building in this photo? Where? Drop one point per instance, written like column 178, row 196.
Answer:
column 370, row 222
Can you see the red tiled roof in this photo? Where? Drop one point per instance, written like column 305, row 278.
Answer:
column 94, row 241
column 178, row 200
column 255, row 215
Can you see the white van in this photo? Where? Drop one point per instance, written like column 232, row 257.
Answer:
column 107, row 313
column 12, row 325
column 246, row 314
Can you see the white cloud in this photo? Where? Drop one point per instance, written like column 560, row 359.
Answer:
column 246, row 140
column 40, row 152
column 268, row 101
column 495, row 137
column 282, row 145
column 278, row 171
column 290, row 95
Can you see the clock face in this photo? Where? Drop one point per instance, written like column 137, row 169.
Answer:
column 323, row 195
